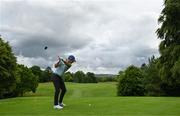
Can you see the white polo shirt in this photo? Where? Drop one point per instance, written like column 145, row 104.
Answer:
column 61, row 69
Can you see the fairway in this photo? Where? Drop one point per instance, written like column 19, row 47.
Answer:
column 89, row 99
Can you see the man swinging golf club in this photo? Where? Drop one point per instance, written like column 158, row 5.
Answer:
column 57, row 77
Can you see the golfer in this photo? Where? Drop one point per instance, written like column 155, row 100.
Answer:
column 57, row 77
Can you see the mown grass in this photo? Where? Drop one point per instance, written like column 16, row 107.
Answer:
column 89, row 99
column 78, row 90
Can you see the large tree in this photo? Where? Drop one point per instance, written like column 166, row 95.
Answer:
column 169, row 61
column 7, row 69
column 169, row 19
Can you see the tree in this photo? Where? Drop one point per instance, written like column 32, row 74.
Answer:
column 45, row 76
column 169, row 48
column 90, row 78
column 26, row 82
column 36, row 70
column 152, row 81
column 120, row 74
column 169, row 19
column 130, row 82
column 7, row 69
column 79, row 77
column 68, row 77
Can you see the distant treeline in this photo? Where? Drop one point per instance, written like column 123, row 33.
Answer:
column 77, row 77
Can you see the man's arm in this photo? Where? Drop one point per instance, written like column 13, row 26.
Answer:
column 58, row 63
column 69, row 65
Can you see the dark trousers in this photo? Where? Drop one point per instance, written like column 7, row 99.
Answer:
column 58, row 85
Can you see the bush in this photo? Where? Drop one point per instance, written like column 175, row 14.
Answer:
column 26, row 81
column 130, row 83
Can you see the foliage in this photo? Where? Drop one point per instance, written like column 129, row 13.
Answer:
column 79, row 77
column 36, row 70
column 7, row 69
column 90, row 78
column 169, row 48
column 43, row 76
column 107, row 79
column 169, row 19
column 131, row 82
column 68, row 76
column 152, row 81
column 27, row 81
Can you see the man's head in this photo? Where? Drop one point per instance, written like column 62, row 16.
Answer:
column 71, row 59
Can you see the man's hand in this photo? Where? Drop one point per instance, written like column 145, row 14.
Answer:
column 58, row 63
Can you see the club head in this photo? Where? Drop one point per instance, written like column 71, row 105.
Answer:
column 45, row 47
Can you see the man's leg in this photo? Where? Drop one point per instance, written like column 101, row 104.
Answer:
column 63, row 90
column 57, row 89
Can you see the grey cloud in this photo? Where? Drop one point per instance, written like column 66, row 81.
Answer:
column 33, row 27
column 105, row 36
column 34, row 46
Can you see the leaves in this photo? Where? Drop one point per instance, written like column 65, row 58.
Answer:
column 7, row 68
column 170, row 22
column 131, row 82
column 27, row 80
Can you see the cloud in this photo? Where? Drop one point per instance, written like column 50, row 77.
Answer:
column 105, row 36
column 33, row 61
column 33, row 27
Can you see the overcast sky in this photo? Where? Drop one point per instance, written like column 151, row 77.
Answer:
column 105, row 36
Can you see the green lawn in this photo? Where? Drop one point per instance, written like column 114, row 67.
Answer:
column 101, row 96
